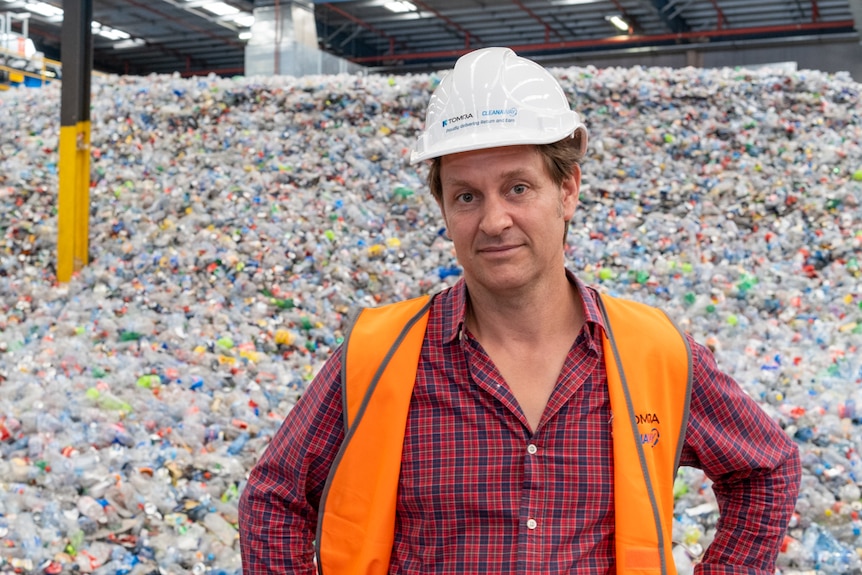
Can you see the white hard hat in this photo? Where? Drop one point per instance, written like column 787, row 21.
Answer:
column 493, row 97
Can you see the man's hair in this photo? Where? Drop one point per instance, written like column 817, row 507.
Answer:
column 560, row 157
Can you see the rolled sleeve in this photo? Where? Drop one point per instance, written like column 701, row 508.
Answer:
column 278, row 506
column 753, row 464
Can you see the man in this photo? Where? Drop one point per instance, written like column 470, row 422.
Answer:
column 518, row 422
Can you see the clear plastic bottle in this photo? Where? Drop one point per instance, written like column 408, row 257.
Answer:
column 827, row 553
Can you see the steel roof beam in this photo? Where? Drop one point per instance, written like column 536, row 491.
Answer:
column 362, row 23
column 535, row 17
column 634, row 25
column 466, row 33
column 332, row 35
column 628, row 41
column 349, row 37
column 722, row 21
column 192, row 27
column 673, row 21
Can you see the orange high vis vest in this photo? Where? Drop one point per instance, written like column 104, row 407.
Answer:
column 648, row 364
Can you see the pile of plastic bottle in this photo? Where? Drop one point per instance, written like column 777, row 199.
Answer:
column 235, row 223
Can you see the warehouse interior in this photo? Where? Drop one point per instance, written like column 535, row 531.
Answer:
column 187, row 235
column 298, row 37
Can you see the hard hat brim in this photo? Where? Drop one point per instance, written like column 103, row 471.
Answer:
column 485, row 140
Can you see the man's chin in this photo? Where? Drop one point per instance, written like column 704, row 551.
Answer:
column 499, row 281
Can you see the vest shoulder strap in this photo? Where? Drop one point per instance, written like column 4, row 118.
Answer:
column 356, row 522
column 648, row 362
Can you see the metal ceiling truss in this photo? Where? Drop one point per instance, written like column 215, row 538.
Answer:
column 181, row 36
column 444, row 29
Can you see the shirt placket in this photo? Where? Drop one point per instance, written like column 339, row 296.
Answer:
column 535, row 531
column 530, row 513
column 531, row 528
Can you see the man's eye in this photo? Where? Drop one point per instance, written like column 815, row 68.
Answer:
column 465, row 198
column 519, row 189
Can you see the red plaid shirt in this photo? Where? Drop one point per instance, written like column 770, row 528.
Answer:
column 480, row 493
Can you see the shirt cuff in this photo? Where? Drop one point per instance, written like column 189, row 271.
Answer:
column 709, row 569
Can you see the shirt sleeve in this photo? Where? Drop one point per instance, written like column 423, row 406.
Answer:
column 278, row 506
column 753, row 464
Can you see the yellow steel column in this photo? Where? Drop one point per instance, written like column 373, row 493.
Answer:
column 73, row 222
column 73, row 203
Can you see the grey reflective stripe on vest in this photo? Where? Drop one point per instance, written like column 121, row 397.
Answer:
column 634, row 427
column 688, row 384
column 350, row 428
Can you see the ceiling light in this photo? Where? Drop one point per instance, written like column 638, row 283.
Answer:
column 621, row 24
column 220, row 9
column 43, row 9
column 243, row 19
column 129, row 43
column 107, row 32
column 400, row 6
column 112, row 34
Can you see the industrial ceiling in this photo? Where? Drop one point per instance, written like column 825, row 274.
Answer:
column 197, row 37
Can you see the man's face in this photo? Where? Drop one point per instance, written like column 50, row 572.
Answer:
column 506, row 216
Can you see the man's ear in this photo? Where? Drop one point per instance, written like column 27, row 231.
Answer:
column 570, row 190
column 443, row 215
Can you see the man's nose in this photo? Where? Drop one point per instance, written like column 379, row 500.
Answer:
column 495, row 216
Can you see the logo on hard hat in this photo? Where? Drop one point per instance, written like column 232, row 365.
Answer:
column 457, row 119
column 510, row 112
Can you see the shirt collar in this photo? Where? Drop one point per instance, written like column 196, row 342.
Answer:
column 457, row 303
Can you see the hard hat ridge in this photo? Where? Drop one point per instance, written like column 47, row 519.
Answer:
column 493, row 97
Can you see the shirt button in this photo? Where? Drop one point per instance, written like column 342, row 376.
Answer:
column 532, row 449
column 531, row 524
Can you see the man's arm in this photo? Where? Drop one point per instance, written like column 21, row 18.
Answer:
column 754, row 466
column 278, row 506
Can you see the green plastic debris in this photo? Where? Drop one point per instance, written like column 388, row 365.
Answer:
column 230, row 494
column 402, row 192
column 680, row 488
column 639, row 276
column 107, row 401
column 746, row 282
column 149, row 381
column 286, row 303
